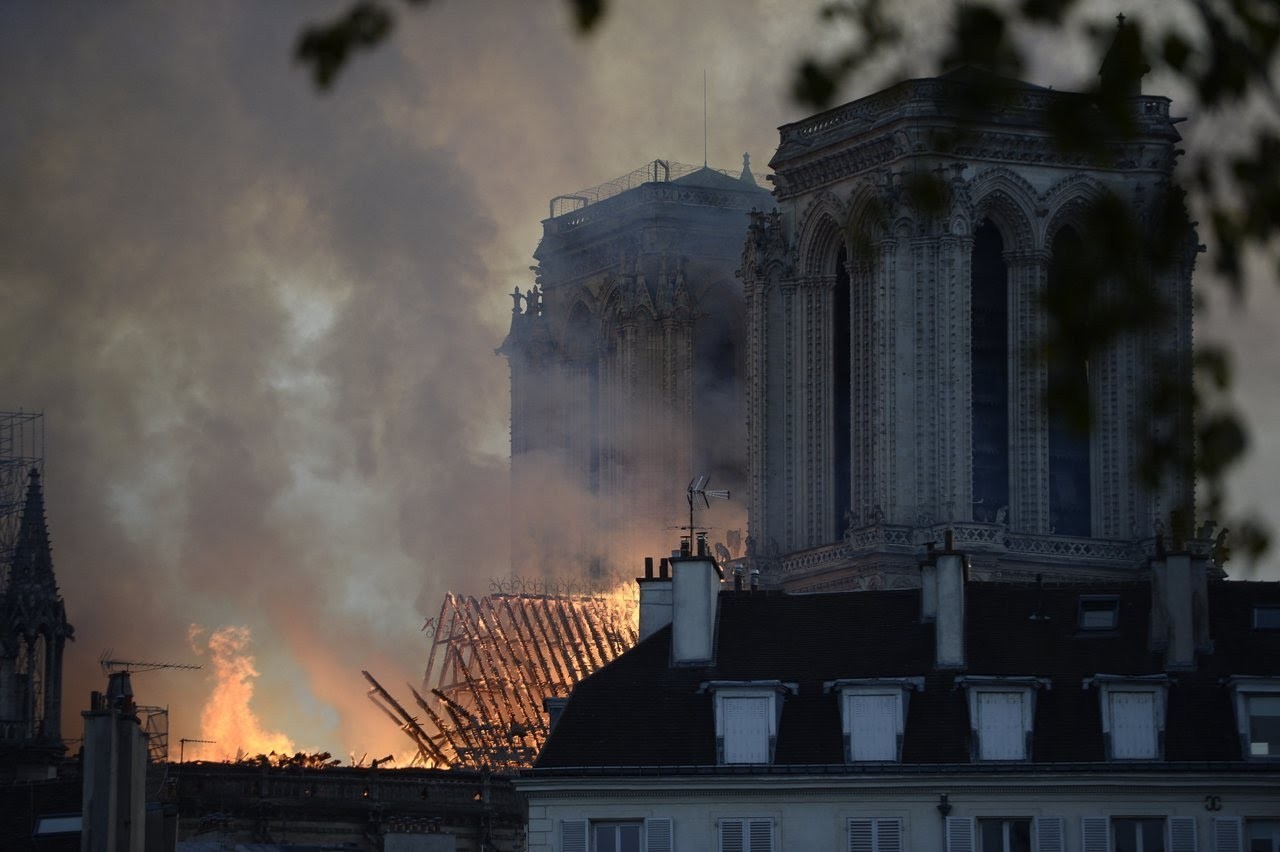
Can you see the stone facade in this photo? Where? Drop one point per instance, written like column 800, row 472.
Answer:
column 895, row 318
column 625, row 369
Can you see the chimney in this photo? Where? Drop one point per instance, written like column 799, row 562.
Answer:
column 655, row 599
column 949, row 619
column 1179, row 609
column 113, row 809
column 694, row 596
column 929, row 586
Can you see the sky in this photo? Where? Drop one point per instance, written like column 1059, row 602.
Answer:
column 260, row 320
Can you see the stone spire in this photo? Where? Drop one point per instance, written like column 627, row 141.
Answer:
column 31, row 648
column 31, row 571
column 1124, row 66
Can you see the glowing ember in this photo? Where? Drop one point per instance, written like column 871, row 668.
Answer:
column 227, row 718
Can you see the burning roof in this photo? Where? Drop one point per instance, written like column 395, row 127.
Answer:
column 495, row 659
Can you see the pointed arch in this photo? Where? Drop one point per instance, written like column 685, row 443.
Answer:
column 821, row 235
column 1008, row 201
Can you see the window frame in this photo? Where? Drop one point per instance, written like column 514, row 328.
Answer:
column 976, row 686
column 1098, row 603
column 1243, row 689
column 772, row 691
column 962, row 834
column 1109, row 685
column 579, row 835
column 847, row 689
column 1266, row 617
column 1178, row 833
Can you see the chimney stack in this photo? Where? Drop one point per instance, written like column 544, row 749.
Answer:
column 1180, row 609
column 695, row 594
column 655, row 598
column 949, row 619
column 928, row 586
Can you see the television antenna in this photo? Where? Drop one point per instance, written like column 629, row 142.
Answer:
column 698, row 489
column 110, row 666
column 182, row 747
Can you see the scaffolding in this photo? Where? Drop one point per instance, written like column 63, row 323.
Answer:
column 21, row 449
column 493, row 662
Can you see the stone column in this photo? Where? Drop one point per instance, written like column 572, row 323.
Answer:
column 1028, row 420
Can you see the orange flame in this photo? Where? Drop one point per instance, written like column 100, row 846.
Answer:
column 227, row 718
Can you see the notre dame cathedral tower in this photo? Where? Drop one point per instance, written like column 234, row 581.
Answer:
column 626, row 366
column 894, row 343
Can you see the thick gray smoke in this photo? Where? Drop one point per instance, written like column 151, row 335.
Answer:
column 261, row 321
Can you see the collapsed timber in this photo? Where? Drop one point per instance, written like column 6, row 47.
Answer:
column 494, row 661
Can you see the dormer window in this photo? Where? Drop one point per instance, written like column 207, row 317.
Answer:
column 1001, row 712
column 1257, row 705
column 1133, row 711
column 1266, row 617
column 1098, row 613
column 747, row 715
column 873, row 713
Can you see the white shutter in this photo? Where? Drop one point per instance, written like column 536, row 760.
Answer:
column 1000, row 729
column 1182, row 834
column 861, row 837
column 875, row 835
column 573, row 835
column 1049, row 835
column 959, row 834
column 1227, row 835
column 760, row 835
column 746, row 730
column 873, row 721
column 657, row 835
column 1133, row 726
column 888, row 835
column 732, row 836
column 1093, row 834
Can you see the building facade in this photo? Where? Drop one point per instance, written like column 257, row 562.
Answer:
column 626, row 369
column 901, row 359
column 1112, row 716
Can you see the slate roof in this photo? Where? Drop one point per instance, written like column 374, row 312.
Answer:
column 641, row 712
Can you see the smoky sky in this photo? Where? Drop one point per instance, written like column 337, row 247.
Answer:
column 261, row 320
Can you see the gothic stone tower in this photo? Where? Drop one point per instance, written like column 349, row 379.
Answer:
column 625, row 369
column 35, row 627
column 897, row 387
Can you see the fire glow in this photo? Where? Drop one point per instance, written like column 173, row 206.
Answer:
column 227, row 718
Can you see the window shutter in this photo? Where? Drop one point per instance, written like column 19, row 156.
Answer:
column 731, row 837
column 1133, row 726
column 1093, row 833
column 1182, row 834
column 1227, row 835
column 746, row 730
column 760, row 835
column 657, row 834
column 888, row 835
column 1000, row 730
column 874, row 726
column 861, row 838
column 959, row 834
column 1049, row 835
column 573, row 835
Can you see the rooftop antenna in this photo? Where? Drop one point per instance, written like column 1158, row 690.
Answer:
column 110, row 666
column 182, row 747
column 698, row 488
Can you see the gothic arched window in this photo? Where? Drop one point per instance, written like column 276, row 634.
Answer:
column 1070, row 486
column 841, row 401
column 989, row 338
